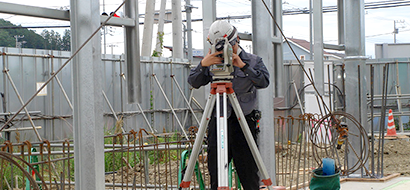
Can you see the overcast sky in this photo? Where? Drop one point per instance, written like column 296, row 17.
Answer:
column 379, row 23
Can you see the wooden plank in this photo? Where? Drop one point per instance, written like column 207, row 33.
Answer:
column 384, row 179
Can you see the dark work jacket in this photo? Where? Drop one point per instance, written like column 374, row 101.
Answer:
column 244, row 83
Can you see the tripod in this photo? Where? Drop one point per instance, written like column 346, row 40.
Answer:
column 225, row 88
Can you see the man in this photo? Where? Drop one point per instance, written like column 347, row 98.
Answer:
column 249, row 74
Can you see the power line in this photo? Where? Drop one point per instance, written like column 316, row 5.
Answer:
column 370, row 5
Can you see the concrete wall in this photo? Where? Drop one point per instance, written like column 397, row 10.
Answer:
column 401, row 50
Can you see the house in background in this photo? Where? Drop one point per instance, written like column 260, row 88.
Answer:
column 302, row 50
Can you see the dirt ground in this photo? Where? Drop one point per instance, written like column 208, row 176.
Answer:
column 397, row 157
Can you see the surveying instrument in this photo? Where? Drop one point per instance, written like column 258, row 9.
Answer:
column 222, row 86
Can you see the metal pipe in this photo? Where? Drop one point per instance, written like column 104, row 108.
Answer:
column 21, row 129
column 187, row 112
column 112, row 109
column 329, row 88
column 22, row 103
column 64, row 92
column 145, row 118
column 398, row 92
column 372, row 116
column 359, row 81
column 403, row 96
column 384, row 117
column 297, row 96
column 21, row 113
column 182, row 93
column 396, row 114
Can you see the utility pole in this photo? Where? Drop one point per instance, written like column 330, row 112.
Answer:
column 17, row 39
column 396, row 30
column 112, row 48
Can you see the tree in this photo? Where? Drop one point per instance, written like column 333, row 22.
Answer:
column 47, row 40
column 7, row 39
column 66, row 40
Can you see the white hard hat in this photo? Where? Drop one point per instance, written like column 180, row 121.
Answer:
column 222, row 29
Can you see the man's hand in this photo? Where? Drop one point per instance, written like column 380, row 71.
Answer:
column 237, row 61
column 211, row 59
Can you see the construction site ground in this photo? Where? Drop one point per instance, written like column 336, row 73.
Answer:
column 396, row 183
column 396, row 166
column 396, row 173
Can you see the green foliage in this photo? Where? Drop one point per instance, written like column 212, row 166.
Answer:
column 114, row 160
column 161, row 43
column 55, row 41
column 10, row 172
column 406, row 126
column 47, row 40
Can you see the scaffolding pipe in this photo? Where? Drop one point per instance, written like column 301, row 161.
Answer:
column 112, row 109
column 22, row 103
column 145, row 118
column 170, row 105
column 62, row 90
column 188, row 103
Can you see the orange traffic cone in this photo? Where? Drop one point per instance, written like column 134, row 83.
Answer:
column 391, row 128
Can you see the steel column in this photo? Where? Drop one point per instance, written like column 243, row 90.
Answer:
column 340, row 22
column 209, row 16
column 132, row 48
column 177, row 48
column 318, row 46
column 148, row 28
column 355, row 56
column 88, row 112
column 160, row 32
column 188, row 8
column 262, row 40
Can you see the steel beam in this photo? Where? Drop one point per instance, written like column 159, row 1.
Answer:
column 87, row 86
column 64, row 15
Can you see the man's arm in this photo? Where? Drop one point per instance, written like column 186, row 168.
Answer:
column 258, row 74
column 199, row 76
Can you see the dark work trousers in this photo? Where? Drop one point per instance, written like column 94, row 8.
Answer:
column 238, row 150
